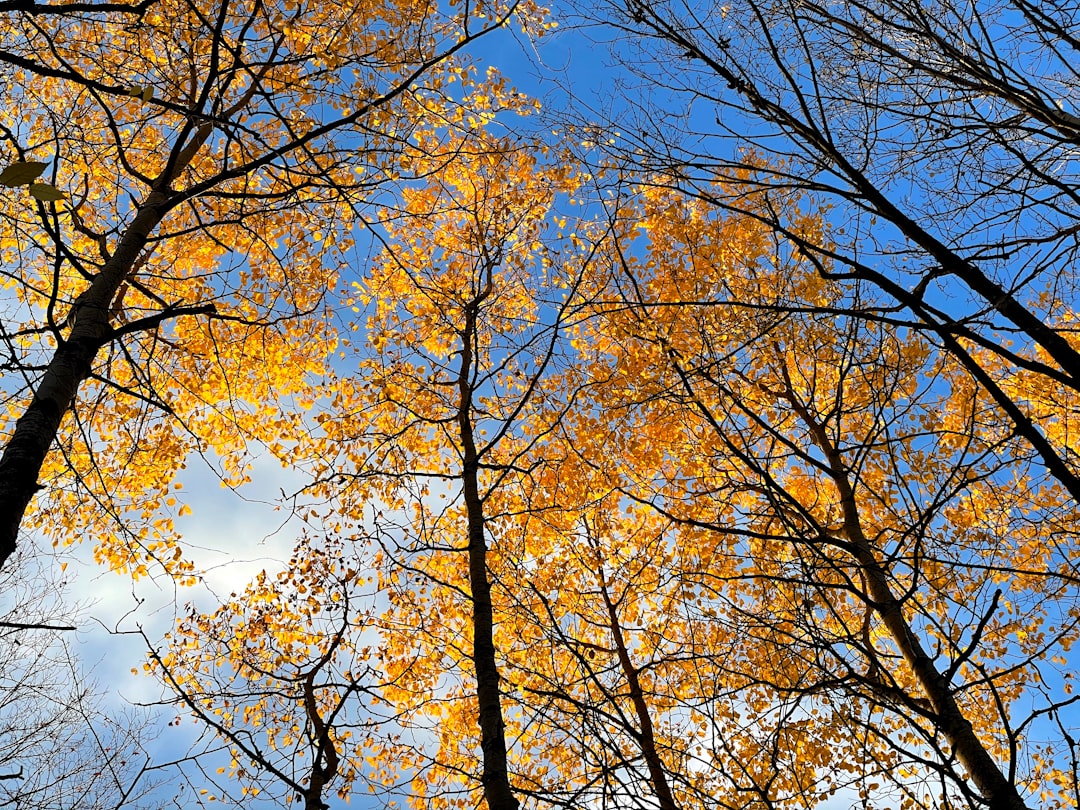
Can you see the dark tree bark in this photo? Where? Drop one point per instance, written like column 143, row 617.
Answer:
column 37, row 428
column 495, row 776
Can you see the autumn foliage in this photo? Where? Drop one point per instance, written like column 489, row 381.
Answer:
column 621, row 487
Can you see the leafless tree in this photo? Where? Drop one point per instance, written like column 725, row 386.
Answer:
column 65, row 744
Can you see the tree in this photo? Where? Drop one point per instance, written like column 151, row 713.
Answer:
column 846, row 499
column 938, row 134
column 458, row 342
column 765, row 559
column 465, row 338
column 939, row 141
column 736, row 553
column 686, row 492
column 278, row 673
column 61, row 748
column 203, row 165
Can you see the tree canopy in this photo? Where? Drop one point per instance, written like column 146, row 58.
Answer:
column 706, row 442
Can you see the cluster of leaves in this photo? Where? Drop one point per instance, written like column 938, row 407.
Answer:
column 643, row 483
column 209, row 163
column 743, row 537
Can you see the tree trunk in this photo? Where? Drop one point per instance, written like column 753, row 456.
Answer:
column 999, row 792
column 495, row 777
column 37, row 428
